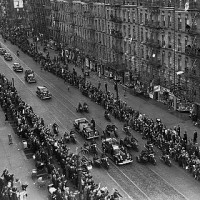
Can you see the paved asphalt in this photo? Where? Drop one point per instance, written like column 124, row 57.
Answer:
column 134, row 181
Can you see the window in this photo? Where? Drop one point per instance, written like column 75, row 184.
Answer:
column 163, row 57
column 169, row 40
column 169, row 19
column 142, row 35
column 179, row 63
column 179, row 22
column 163, row 18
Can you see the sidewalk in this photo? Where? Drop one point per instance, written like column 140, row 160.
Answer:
column 13, row 158
column 150, row 107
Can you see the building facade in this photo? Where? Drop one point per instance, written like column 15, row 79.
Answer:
column 154, row 42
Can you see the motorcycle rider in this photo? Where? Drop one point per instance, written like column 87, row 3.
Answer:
column 96, row 159
column 80, row 106
column 93, row 124
column 106, row 114
column 18, row 53
column 86, row 145
column 85, row 106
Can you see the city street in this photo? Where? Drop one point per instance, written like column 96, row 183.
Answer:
column 134, row 181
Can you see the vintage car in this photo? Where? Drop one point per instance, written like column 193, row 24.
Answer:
column 119, row 155
column 2, row 51
column 83, row 126
column 29, row 76
column 8, row 57
column 43, row 93
column 17, row 67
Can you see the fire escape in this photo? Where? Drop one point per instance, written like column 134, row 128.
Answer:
column 71, row 38
column 56, row 22
column 117, row 35
column 152, row 41
column 192, row 50
column 88, row 14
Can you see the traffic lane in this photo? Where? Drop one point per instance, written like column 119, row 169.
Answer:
column 157, row 191
column 181, row 179
column 50, row 113
column 137, row 103
column 153, row 185
column 145, row 106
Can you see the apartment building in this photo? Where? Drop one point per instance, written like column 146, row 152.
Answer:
column 155, row 42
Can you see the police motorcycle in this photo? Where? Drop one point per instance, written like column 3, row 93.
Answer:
column 107, row 115
column 90, row 148
column 131, row 143
column 73, row 137
column 17, row 53
column 55, row 129
column 146, row 157
column 85, row 107
column 166, row 159
column 104, row 161
column 66, row 137
column 110, row 131
column 96, row 161
column 149, row 147
column 127, row 129
column 80, row 108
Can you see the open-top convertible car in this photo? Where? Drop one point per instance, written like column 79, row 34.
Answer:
column 29, row 76
column 83, row 126
column 17, row 67
column 118, row 154
column 8, row 57
column 43, row 93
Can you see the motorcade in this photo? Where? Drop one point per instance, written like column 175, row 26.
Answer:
column 116, row 152
column 8, row 57
column 29, row 76
column 17, row 67
column 2, row 51
column 43, row 93
column 83, row 126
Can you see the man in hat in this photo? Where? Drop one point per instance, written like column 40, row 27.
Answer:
column 195, row 137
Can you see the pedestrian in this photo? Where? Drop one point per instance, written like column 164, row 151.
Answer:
column 178, row 130
column 68, row 88
column 93, row 123
column 6, row 117
column 185, row 137
column 99, row 85
column 10, row 139
column 106, row 87
column 195, row 137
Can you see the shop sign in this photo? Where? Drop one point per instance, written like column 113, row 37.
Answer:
column 162, row 90
column 86, row 62
column 156, row 88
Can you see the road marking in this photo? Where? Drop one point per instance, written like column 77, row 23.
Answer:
column 169, row 184
column 120, row 186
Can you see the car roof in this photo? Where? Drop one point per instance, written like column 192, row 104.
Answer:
column 115, row 147
column 81, row 120
column 41, row 87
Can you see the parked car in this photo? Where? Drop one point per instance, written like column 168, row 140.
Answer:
column 116, row 153
column 17, row 67
column 83, row 126
column 2, row 51
column 8, row 57
column 29, row 76
column 43, row 93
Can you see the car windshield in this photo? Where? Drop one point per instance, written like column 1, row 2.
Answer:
column 116, row 151
column 44, row 90
column 16, row 64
